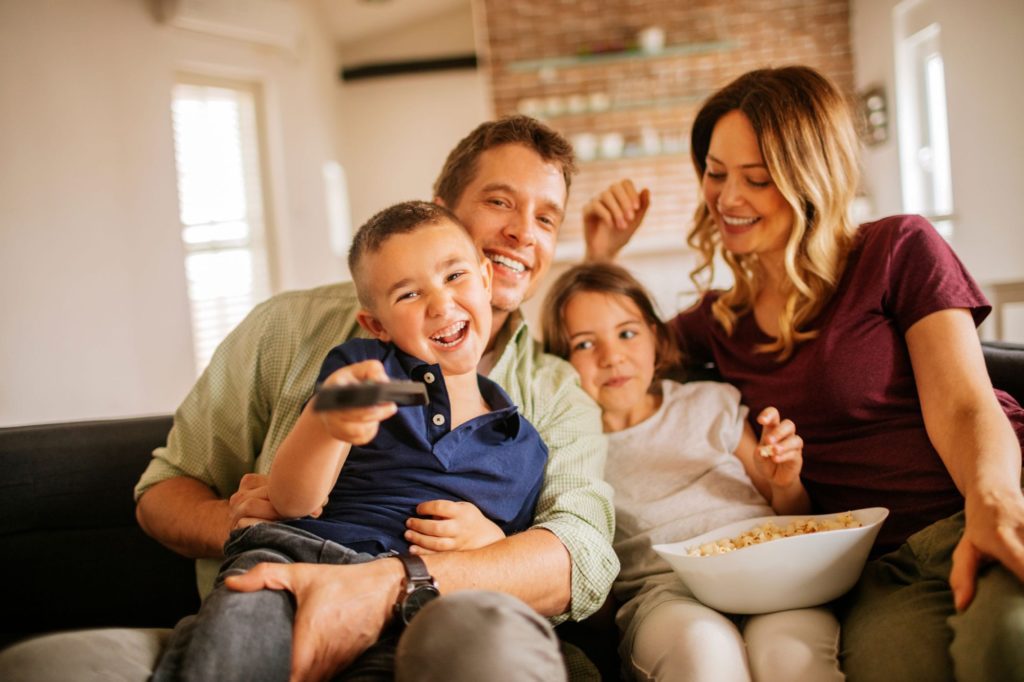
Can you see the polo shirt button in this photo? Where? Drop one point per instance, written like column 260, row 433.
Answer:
column 428, row 377
column 438, row 420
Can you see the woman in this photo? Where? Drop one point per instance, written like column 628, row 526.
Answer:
column 866, row 338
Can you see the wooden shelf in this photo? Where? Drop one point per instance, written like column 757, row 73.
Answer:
column 605, row 58
column 638, row 155
column 629, row 105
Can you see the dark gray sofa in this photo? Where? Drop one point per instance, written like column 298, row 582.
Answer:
column 74, row 557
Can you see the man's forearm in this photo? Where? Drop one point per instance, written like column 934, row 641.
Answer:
column 533, row 565
column 186, row 516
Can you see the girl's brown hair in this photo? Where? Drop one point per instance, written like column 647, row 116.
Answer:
column 604, row 278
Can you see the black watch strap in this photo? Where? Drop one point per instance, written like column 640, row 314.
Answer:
column 415, row 569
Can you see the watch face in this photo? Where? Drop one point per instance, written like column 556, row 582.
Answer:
column 417, row 599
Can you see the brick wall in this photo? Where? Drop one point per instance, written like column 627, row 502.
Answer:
column 576, row 64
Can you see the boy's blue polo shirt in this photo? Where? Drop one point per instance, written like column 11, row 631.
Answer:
column 496, row 460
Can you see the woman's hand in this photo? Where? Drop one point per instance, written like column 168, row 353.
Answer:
column 780, row 454
column 453, row 526
column 611, row 218
column 993, row 531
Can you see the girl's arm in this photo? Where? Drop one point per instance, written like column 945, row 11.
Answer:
column 975, row 440
column 774, row 463
column 309, row 460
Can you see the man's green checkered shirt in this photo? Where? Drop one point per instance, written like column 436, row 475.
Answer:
column 248, row 399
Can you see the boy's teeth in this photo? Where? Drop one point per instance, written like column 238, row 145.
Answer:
column 507, row 262
column 450, row 335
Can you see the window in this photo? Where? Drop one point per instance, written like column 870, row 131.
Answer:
column 924, row 134
column 221, row 206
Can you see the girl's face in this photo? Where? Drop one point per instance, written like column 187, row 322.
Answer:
column 751, row 214
column 613, row 349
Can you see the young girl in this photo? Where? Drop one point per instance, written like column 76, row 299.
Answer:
column 683, row 460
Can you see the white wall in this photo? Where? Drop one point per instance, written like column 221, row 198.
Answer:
column 94, row 317
column 396, row 131
column 983, row 53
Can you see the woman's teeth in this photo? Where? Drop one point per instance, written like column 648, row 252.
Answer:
column 739, row 222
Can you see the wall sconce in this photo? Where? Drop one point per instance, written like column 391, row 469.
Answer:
column 876, row 116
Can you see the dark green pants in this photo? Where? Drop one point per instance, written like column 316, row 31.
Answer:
column 899, row 622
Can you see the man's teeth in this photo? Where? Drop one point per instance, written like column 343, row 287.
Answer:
column 738, row 222
column 451, row 334
column 513, row 265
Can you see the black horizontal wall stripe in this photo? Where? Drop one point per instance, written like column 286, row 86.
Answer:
column 381, row 69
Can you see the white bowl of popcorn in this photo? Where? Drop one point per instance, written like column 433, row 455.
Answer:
column 776, row 563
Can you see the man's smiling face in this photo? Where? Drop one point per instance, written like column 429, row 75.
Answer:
column 513, row 208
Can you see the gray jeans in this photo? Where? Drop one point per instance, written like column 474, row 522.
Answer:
column 248, row 635
column 465, row 636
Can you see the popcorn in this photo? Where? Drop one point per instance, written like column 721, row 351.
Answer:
column 771, row 531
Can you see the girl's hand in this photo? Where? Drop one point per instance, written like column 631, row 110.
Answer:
column 357, row 425
column 779, row 456
column 452, row 526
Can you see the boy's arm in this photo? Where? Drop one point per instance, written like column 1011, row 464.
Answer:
column 310, row 459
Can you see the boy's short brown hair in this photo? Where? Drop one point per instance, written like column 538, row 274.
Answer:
column 402, row 218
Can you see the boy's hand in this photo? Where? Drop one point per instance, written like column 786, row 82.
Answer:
column 779, row 456
column 357, row 425
column 453, row 526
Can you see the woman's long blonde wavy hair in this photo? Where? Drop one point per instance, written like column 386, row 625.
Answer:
column 808, row 140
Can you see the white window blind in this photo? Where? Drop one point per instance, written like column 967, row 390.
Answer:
column 216, row 141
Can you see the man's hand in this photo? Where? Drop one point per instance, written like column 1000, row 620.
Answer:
column 611, row 218
column 993, row 531
column 357, row 425
column 251, row 503
column 454, row 526
column 340, row 610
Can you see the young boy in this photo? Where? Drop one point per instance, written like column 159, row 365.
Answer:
column 467, row 461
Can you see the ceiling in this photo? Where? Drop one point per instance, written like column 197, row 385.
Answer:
column 352, row 20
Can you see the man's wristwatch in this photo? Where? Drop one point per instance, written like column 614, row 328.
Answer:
column 418, row 590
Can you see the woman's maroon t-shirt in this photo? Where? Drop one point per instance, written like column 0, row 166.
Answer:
column 851, row 390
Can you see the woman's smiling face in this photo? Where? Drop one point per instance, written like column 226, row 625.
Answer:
column 751, row 214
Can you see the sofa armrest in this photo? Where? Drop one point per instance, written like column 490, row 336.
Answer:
column 73, row 553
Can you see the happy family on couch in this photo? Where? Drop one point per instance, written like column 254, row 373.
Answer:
column 443, row 540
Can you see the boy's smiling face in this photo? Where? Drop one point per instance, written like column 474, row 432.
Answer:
column 431, row 296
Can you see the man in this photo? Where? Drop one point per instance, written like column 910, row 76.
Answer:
column 508, row 183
